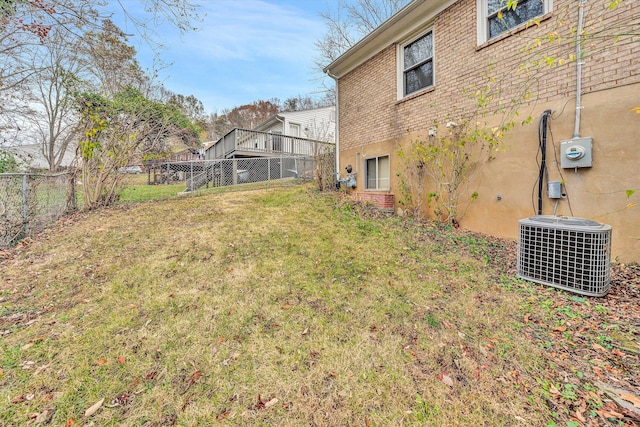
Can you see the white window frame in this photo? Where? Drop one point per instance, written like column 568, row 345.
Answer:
column 297, row 126
column 400, row 63
column 366, row 172
column 482, row 7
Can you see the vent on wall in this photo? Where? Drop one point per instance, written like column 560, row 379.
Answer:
column 573, row 254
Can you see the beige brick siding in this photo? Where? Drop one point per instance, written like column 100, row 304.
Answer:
column 369, row 110
column 374, row 122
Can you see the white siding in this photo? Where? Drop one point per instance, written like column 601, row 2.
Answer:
column 319, row 123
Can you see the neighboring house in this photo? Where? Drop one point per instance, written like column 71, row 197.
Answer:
column 436, row 52
column 317, row 124
column 186, row 155
column 294, row 133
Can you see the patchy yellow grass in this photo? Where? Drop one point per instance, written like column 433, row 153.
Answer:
column 268, row 307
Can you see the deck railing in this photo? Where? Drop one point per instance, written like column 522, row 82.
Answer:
column 254, row 143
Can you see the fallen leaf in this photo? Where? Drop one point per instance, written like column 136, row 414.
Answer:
column 101, row 361
column 286, row 307
column 38, row 339
column 560, row 328
column 70, row 422
column 42, row 417
column 609, row 414
column 151, row 375
column 271, row 402
column 121, row 359
column 306, row 331
column 93, row 409
column 259, row 404
column 186, row 403
column 447, row 380
column 631, row 398
column 18, row 399
column 195, row 376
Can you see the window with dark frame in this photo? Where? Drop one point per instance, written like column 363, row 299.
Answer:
column 418, row 64
column 500, row 19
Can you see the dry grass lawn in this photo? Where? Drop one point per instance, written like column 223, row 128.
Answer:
column 282, row 307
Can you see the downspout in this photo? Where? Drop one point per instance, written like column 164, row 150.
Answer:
column 281, row 121
column 282, row 139
column 579, row 63
column 337, row 130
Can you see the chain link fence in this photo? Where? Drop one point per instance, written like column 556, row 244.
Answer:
column 29, row 202
column 266, row 171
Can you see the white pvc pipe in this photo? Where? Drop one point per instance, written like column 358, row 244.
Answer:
column 579, row 63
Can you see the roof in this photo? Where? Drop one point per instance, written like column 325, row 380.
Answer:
column 410, row 18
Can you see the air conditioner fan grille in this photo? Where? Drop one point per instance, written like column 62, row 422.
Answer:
column 574, row 258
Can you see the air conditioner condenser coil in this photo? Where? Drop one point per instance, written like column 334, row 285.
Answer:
column 568, row 253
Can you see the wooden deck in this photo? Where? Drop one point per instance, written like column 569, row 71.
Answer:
column 242, row 143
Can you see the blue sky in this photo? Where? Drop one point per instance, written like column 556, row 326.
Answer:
column 244, row 51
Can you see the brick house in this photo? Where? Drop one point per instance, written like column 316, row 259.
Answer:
column 418, row 67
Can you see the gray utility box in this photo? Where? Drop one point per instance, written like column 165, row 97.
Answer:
column 576, row 153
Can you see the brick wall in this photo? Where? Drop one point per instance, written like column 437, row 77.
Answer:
column 383, row 201
column 373, row 122
column 369, row 109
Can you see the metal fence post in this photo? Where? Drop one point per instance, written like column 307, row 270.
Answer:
column 234, row 171
column 25, row 205
column 192, row 185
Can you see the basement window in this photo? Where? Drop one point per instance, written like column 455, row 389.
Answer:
column 377, row 173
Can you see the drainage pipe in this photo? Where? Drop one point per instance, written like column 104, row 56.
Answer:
column 579, row 63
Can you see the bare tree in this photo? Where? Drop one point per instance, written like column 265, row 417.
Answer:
column 250, row 115
column 349, row 22
column 26, row 24
column 51, row 94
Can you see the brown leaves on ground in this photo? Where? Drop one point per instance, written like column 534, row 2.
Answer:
column 93, row 408
column 264, row 404
column 585, row 339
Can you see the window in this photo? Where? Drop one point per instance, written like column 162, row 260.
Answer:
column 495, row 18
column 294, row 129
column 276, row 140
column 377, row 173
column 417, row 64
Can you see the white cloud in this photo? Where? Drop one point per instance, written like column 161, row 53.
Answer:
column 245, row 50
column 252, row 29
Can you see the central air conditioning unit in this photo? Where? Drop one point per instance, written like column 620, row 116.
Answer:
column 573, row 254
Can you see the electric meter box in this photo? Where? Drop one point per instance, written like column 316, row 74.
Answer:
column 576, row 153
